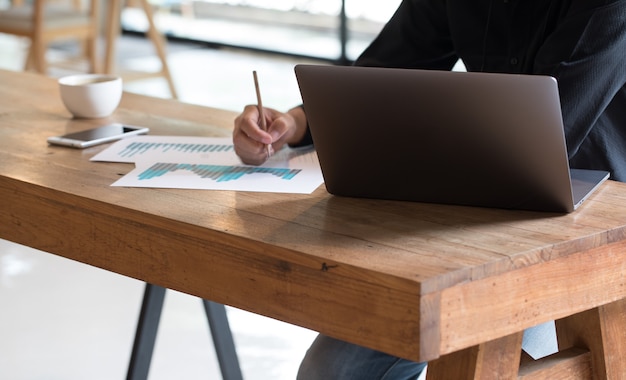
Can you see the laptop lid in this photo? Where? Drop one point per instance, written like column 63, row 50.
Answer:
column 477, row 139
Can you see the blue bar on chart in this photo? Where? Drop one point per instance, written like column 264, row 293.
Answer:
column 218, row 173
column 139, row 148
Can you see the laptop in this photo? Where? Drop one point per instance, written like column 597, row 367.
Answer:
column 475, row 139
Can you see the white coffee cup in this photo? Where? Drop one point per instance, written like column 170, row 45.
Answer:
column 91, row 95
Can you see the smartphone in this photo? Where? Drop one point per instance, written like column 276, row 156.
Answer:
column 95, row 136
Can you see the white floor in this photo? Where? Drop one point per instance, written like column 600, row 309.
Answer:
column 64, row 320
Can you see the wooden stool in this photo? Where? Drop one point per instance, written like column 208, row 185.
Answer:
column 44, row 23
column 112, row 33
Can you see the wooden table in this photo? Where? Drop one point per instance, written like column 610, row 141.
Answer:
column 451, row 285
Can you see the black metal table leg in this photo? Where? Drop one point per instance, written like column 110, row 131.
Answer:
column 223, row 340
column 145, row 336
column 148, row 325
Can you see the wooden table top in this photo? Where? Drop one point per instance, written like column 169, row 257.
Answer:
column 415, row 280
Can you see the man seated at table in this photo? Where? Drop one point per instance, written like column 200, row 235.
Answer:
column 579, row 42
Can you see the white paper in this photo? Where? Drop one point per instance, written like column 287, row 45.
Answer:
column 210, row 163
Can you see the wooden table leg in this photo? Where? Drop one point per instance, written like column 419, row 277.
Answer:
column 497, row 359
column 112, row 31
column 158, row 40
column 603, row 331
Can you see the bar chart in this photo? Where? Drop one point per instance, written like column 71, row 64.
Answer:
column 219, row 173
column 135, row 149
column 210, row 163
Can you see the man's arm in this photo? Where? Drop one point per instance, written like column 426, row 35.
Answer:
column 585, row 51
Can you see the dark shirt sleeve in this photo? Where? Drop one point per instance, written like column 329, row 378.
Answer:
column 417, row 36
column 307, row 139
column 586, row 51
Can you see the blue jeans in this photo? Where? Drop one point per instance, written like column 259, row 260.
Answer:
column 332, row 359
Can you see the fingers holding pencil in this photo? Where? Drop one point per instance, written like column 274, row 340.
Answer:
column 250, row 141
column 258, row 130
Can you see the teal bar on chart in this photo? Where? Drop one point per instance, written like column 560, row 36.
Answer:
column 217, row 173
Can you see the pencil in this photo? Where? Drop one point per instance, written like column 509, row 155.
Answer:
column 260, row 106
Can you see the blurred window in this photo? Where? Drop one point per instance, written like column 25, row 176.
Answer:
column 335, row 30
